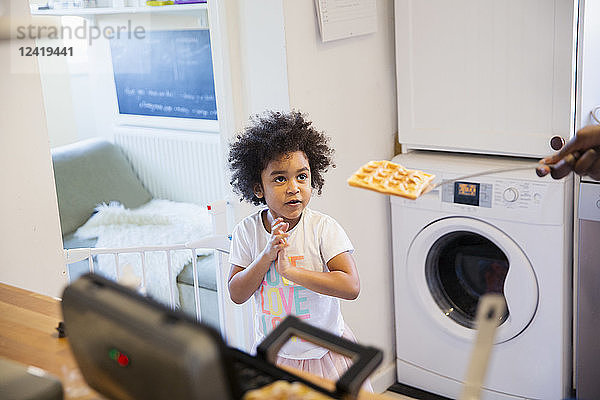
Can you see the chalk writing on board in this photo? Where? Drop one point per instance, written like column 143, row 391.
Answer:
column 165, row 74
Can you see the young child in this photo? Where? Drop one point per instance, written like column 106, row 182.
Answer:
column 292, row 259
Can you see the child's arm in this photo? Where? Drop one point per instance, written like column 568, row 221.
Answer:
column 341, row 280
column 243, row 282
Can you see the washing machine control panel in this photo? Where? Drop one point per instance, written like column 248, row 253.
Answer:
column 468, row 193
column 502, row 193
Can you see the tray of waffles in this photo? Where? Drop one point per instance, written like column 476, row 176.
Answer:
column 391, row 178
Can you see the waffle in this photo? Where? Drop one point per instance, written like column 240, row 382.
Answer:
column 390, row 178
column 285, row 391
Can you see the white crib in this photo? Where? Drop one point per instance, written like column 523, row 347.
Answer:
column 235, row 321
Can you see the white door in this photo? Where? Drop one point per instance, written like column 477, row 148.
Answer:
column 452, row 262
column 484, row 76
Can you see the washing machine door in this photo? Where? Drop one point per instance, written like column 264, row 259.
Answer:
column 454, row 261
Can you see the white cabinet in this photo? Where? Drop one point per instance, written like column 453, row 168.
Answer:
column 485, row 76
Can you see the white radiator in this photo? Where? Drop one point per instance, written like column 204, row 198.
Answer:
column 187, row 167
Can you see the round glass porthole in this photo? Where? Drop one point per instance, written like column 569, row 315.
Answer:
column 460, row 267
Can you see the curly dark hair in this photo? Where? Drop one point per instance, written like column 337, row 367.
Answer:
column 270, row 136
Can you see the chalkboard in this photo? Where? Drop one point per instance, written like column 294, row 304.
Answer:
column 165, row 74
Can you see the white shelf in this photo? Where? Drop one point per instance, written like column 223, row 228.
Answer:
column 192, row 9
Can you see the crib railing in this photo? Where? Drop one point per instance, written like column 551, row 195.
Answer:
column 236, row 322
column 216, row 242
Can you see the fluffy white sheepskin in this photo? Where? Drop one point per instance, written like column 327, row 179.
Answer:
column 158, row 222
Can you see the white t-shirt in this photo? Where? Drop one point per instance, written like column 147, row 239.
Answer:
column 315, row 240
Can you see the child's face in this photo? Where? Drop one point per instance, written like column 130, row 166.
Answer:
column 286, row 186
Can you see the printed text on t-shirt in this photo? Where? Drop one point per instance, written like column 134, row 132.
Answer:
column 280, row 297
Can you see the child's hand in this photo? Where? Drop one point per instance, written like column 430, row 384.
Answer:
column 276, row 241
column 283, row 265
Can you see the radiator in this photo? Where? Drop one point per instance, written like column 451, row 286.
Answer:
column 186, row 167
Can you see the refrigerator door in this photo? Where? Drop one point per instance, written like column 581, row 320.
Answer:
column 587, row 350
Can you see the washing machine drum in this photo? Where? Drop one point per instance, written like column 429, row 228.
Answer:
column 454, row 261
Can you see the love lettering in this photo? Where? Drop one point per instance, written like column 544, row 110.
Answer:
column 280, row 297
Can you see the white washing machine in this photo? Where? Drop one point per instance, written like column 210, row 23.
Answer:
column 509, row 233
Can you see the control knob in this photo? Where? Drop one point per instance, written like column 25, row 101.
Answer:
column 510, row 194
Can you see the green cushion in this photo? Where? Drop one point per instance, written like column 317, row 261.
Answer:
column 206, row 272
column 209, row 304
column 89, row 173
column 71, row 241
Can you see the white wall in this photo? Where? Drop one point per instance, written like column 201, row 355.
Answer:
column 58, row 105
column 348, row 89
column 253, row 75
column 30, row 241
column 66, row 117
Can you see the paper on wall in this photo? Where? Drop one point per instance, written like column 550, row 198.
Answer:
column 339, row 19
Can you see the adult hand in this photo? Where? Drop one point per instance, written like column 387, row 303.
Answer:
column 581, row 155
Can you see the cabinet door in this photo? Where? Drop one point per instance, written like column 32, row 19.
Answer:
column 484, row 76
